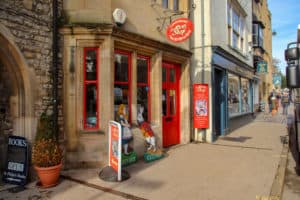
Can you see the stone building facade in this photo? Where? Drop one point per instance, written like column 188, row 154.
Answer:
column 25, row 66
column 118, row 54
column 262, row 46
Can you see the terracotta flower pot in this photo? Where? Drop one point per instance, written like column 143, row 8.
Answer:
column 48, row 175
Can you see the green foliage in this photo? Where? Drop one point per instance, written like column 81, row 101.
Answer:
column 46, row 151
column 45, row 127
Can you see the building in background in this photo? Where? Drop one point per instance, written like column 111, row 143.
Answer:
column 223, row 60
column 262, row 50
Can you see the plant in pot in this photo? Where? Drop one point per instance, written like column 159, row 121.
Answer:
column 46, row 153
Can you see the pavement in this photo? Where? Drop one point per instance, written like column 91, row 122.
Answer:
column 249, row 163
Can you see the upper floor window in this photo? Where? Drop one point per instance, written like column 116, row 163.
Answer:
column 258, row 36
column 236, row 27
column 170, row 4
column 90, row 87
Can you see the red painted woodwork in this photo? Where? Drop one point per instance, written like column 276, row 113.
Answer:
column 171, row 104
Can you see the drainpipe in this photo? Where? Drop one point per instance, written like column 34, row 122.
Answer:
column 54, row 67
column 203, row 56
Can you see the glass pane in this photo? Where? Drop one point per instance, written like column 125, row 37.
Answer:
column 142, row 70
column 91, row 106
column 121, row 68
column 164, row 102
column 175, row 6
column 233, row 94
column 120, row 97
column 142, row 100
column 91, row 64
column 235, row 21
column 165, row 3
column 172, row 102
column 164, row 74
column 245, row 95
column 172, row 75
column 235, row 40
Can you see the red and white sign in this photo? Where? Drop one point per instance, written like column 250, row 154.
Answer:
column 180, row 30
column 114, row 154
column 201, row 106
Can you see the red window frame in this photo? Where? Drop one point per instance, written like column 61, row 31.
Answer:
column 128, row 82
column 146, row 84
column 87, row 82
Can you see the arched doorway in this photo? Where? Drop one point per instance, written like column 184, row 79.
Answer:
column 17, row 90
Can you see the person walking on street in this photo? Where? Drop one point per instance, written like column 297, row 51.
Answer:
column 270, row 102
column 285, row 102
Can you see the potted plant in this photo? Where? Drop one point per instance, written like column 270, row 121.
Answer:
column 46, row 153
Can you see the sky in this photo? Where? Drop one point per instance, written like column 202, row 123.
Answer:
column 285, row 20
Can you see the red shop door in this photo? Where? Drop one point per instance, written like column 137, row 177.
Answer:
column 170, row 104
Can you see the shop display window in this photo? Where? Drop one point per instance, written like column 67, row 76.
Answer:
column 233, row 94
column 239, row 95
column 91, row 116
column 245, row 94
column 143, row 85
column 122, row 82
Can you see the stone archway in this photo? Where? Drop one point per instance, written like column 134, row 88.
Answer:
column 21, row 83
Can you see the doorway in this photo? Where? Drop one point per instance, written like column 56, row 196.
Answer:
column 220, row 116
column 170, row 104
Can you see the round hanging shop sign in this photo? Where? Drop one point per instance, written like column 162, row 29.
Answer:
column 180, row 30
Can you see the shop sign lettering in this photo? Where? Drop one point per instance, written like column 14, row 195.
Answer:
column 180, row 30
column 16, row 170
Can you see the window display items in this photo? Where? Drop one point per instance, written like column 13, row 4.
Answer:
column 128, row 155
column 152, row 153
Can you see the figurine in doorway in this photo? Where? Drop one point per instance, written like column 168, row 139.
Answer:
column 126, row 132
column 146, row 130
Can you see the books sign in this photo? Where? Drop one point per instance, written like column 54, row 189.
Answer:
column 16, row 170
column 180, row 30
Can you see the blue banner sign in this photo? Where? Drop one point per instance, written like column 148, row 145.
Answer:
column 277, row 80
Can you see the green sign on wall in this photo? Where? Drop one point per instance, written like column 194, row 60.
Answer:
column 262, row 67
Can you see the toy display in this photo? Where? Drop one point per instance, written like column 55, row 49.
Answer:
column 128, row 155
column 152, row 153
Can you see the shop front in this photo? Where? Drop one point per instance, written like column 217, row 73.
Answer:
column 233, row 93
column 113, row 67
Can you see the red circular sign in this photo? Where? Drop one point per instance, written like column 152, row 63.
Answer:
column 180, row 29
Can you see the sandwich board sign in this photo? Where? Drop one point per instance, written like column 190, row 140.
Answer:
column 16, row 171
column 115, row 148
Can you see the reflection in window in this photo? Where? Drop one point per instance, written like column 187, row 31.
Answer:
column 91, row 62
column 91, row 105
column 245, row 95
column 172, row 102
column 143, row 86
column 121, row 67
column 164, row 102
column 164, row 74
column 233, row 94
column 90, row 88
column 172, row 75
column 165, row 3
column 122, row 84
column 238, row 95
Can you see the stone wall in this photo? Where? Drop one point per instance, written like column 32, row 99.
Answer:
column 30, row 22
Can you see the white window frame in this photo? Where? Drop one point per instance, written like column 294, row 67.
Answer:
column 236, row 28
